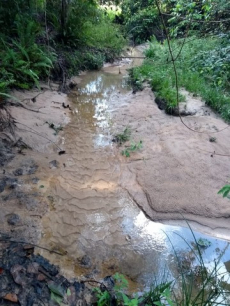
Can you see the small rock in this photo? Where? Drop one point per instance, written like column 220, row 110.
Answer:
column 72, row 85
column 212, row 139
column 54, row 164
column 19, row 275
column 18, row 172
column 28, row 247
column 13, row 219
column 84, row 261
column 41, row 277
column 109, row 282
column 79, row 288
column 2, row 185
column 11, row 182
column 35, row 180
column 32, row 268
column 12, row 297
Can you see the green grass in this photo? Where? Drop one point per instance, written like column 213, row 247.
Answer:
column 196, row 72
column 122, row 137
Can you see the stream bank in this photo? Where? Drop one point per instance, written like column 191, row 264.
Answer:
column 97, row 205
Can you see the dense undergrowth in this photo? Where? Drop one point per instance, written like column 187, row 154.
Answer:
column 203, row 68
column 198, row 34
column 55, row 39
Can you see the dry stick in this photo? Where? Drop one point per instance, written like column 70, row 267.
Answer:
column 36, row 133
column 92, row 281
column 32, row 244
column 176, row 79
column 96, row 282
column 22, row 105
column 47, row 38
column 214, row 153
column 184, row 40
column 40, row 93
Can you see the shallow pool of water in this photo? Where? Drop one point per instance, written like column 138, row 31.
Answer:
column 93, row 218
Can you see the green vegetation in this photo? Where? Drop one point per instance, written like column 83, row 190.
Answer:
column 22, row 60
column 202, row 68
column 123, row 137
column 55, row 39
column 194, row 283
column 224, row 191
column 189, row 47
column 135, row 146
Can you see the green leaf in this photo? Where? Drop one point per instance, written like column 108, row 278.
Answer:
column 56, row 289
column 225, row 191
column 56, row 298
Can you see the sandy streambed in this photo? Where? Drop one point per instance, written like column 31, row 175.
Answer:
column 100, row 195
column 97, row 204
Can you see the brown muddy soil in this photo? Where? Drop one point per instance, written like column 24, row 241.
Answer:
column 179, row 171
column 33, row 146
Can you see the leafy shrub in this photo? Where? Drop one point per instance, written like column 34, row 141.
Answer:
column 22, row 60
column 144, row 24
column 214, row 65
column 155, row 50
column 93, row 61
column 104, row 36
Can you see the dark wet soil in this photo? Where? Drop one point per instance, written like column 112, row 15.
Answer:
column 27, row 279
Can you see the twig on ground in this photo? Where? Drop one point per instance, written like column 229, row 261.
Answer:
column 8, row 239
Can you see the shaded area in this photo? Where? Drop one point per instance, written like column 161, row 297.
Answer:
column 28, row 279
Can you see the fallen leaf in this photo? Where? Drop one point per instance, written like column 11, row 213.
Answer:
column 11, row 297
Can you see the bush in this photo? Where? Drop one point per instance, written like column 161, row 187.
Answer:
column 202, row 68
column 144, row 24
column 214, row 65
column 104, row 36
column 22, row 60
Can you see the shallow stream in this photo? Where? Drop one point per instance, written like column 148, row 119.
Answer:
column 92, row 216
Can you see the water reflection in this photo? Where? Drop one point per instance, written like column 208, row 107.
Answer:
column 92, row 102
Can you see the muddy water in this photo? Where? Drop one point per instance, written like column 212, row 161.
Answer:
column 93, row 215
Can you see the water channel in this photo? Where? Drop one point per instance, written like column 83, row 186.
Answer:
column 93, row 215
